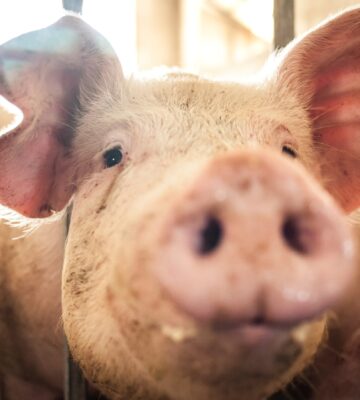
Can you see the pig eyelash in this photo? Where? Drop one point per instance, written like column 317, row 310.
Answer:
column 287, row 148
column 289, row 151
column 113, row 156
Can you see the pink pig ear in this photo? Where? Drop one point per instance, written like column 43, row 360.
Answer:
column 323, row 70
column 43, row 73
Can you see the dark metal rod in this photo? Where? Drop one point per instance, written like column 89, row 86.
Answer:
column 75, row 386
column 284, row 16
column 74, row 382
column 73, row 5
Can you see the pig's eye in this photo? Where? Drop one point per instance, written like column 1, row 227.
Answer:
column 112, row 157
column 288, row 150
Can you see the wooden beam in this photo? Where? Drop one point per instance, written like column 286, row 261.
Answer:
column 283, row 22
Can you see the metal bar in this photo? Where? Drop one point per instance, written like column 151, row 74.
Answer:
column 75, row 386
column 74, row 381
column 73, row 5
column 283, row 22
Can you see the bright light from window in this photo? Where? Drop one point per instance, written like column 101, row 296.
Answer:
column 115, row 19
column 19, row 16
column 257, row 16
column 254, row 14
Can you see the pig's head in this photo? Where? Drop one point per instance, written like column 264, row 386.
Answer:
column 203, row 249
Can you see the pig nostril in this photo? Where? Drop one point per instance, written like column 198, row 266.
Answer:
column 258, row 320
column 210, row 235
column 297, row 234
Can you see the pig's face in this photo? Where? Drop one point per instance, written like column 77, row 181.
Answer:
column 183, row 313
column 200, row 259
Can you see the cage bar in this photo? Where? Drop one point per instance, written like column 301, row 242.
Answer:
column 73, row 5
column 74, row 381
column 75, row 387
column 283, row 22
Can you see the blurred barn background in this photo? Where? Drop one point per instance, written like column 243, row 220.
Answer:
column 229, row 38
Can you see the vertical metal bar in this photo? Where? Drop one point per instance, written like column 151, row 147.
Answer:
column 73, row 5
column 75, row 387
column 74, row 381
column 283, row 22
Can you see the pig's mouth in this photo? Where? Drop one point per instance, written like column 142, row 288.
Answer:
column 255, row 332
column 261, row 322
column 248, row 352
column 250, row 333
column 258, row 321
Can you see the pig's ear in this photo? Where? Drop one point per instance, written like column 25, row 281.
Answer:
column 43, row 73
column 322, row 69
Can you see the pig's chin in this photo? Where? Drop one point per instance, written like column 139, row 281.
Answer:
column 250, row 358
column 189, row 359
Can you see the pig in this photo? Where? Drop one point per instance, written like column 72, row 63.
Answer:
column 208, row 236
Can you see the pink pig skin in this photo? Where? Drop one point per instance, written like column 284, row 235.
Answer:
column 209, row 254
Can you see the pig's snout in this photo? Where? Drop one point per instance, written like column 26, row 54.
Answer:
column 254, row 240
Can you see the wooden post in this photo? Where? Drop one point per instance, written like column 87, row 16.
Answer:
column 283, row 22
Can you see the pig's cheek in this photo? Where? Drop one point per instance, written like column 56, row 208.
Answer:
column 308, row 337
column 87, row 233
column 94, row 190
